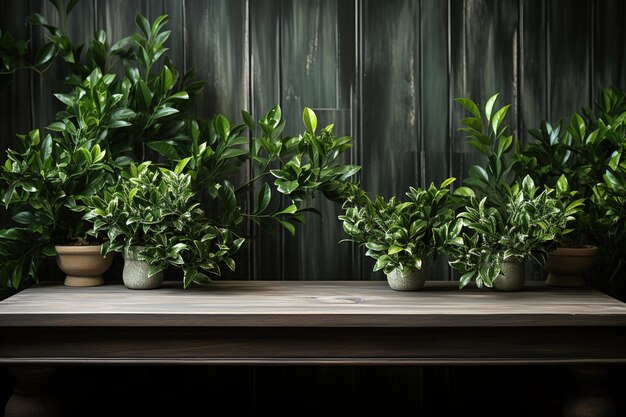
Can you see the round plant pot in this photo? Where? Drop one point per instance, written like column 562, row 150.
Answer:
column 512, row 276
column 83, row 265
column 409, row 279
column 567, row 266
column 135, row 272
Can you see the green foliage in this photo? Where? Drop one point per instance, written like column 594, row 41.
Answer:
column 218, row 150
column 111, row 121
column 47, row 179
column 401, row 234
column 529, row 225
column 487, row 134
column 588, row 149
column 582, row 149
column 155, row 208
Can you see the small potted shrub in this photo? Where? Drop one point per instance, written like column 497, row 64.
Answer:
column 495, row 242
column 46, row 181
column 583, row 149
column 401, row 236
column 151, row 216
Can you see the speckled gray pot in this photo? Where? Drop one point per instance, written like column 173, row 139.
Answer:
column 410, row 279
column 512, row 276
column 135, row 273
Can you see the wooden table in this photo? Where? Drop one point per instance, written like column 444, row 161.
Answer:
column 334, row 322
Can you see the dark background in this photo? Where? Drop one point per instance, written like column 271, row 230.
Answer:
column 385, row 71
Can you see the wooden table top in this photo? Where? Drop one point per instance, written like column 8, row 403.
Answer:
column 309, row 304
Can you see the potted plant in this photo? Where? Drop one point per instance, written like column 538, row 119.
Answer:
column 106, row 123
column 496, row 241
column 46, row 181
column 151, row 216
column 582, row 149
column 401, row 236
column 497, row 199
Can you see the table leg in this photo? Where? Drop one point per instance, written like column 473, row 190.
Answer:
column 591, row 398
column 33, row 395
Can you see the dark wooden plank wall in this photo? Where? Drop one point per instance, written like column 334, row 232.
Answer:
column 384, row 72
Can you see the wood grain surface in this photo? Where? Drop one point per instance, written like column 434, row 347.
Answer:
column 309, row 304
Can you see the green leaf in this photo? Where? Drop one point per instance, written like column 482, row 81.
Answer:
column 289, row 210
column 263, row 199
column 180, row 166
column 233, row 152
column 181, row 95
column 131, row 194
column 479, row 172
column 45, row 54
column 164, row 111
column 447, row 182
column 465, row 192
column 290, row 227
column 56, row 126
column 143, row 24
column 614, row 161
column 393, row 249
column 381, row 263
column 24, row 217
column 222, row 126
column 248, row 120
column 286, row 186
column 165, row 148
column 310, row 120
column 146, row 94
column 498, row 117
column 579, row 123
column 118, row 123
column 562, row 185
column 65, row 99
column 469, row 105
column 489, row 106
column 376, row 246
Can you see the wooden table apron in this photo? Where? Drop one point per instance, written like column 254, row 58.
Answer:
column 333, row 322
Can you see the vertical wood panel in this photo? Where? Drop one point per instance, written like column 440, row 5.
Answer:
column 390, row 96
column 15, row 98
column 216, row 35
column 569, row 42
column 534, row 81
column 609, row 44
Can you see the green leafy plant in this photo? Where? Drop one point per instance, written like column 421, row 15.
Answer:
column 587, row 148
column 111, row 121
column 526, row 227
column 155, row 208
column 487, row 134
column 401, row 234
column 45, row 182
column 302, row 166
column 582, row 149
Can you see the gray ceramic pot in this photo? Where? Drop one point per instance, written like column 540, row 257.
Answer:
column 512, row 276
column 135, row 273
column 409, row 279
